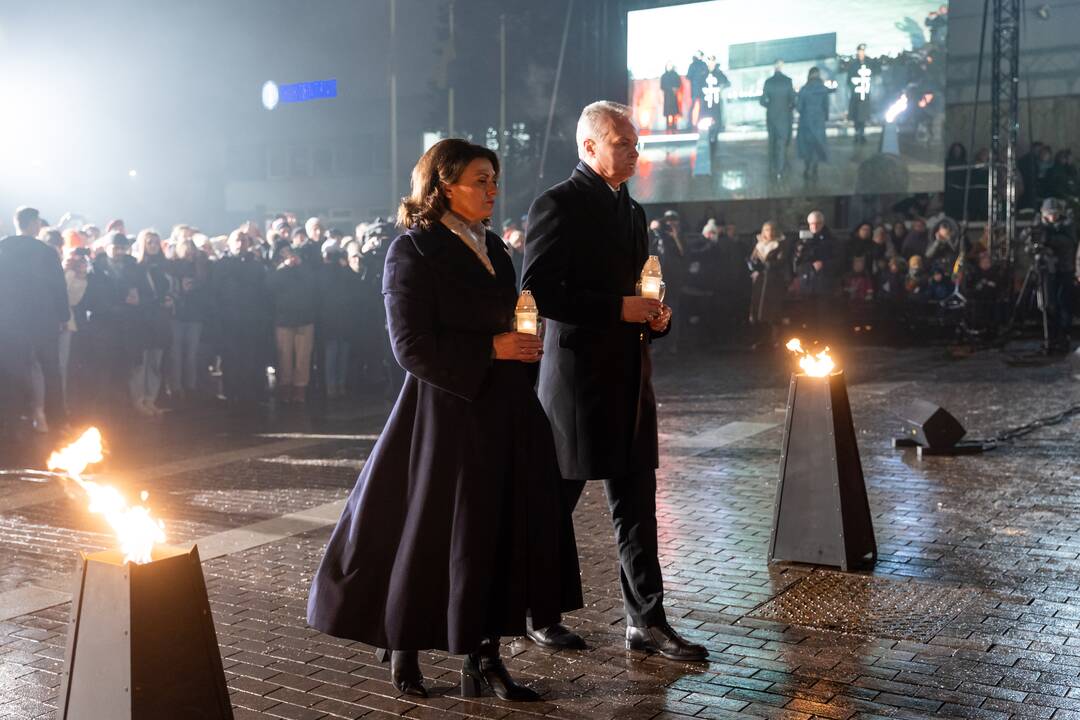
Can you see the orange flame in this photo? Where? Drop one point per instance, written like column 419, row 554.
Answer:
column 819, row 365
column 134, row 528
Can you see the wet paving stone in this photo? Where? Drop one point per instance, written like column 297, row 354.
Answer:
column 996, row 537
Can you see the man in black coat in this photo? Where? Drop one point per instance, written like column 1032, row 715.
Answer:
column 33, row 306
column 584, row 250
column 239, row 285
column 817, row 270
column 778, row 98
column 860, row 71
column 1059, row 236
column 696, row 73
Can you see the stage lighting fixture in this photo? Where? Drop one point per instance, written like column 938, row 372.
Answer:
column 270, row 95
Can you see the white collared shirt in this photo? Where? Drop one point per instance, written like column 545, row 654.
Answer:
column 474, row 236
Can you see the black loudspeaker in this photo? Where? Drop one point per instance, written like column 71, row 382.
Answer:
column 931, row 425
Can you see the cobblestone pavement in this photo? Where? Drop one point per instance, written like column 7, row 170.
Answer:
column 972, row 610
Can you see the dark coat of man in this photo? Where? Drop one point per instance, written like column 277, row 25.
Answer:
column 341, row 299
column 859, row 105
column 813, row 249
column 696, row 73
column 120, row 298
column 455, row 527
column 778, row 98
column 915, row 243
column 294, row 291
column 33, row 295
column 813, row 106
column 583, row 253
column 240, row 297
column 713, row 104
column 33, row 305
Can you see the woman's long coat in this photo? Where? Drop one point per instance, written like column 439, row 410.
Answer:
column 455, row 527
column 770, row 285
column 813, row 107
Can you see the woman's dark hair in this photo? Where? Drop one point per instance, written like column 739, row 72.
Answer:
column 814, row 74
column 441, row 165
column 957, row 153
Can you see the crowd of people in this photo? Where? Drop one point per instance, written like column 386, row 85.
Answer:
column 96, row 323
column 1042, row 172
column 892, row 276
column 105, row 323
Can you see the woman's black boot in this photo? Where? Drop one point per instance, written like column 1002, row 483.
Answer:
column 485, row 669
column 405, row 673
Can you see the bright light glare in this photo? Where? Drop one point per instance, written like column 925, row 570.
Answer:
column 896, row 109
column 270, row 95
column 132, row 173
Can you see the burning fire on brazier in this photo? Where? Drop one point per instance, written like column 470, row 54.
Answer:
column 141, row 642
column 821, row 515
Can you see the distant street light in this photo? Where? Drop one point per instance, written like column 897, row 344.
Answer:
column 270, row 95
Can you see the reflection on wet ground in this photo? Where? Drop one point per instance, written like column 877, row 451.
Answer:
column 973, row 609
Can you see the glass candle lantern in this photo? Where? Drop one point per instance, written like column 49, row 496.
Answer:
column 651, row 284
column 526, row 316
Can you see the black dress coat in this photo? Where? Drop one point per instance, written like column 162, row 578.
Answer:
column 813, row 105
column 584, row 251
column 859, row 107
column 670, row 84
column 455, row 527
column 778, row 99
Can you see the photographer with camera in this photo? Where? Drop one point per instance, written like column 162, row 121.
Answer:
column 1057, row 236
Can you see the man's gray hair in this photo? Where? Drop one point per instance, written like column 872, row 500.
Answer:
column 816, row 215
column 593, row 121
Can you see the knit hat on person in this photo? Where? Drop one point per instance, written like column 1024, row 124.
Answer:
column 73, row 239
column 1052, row 205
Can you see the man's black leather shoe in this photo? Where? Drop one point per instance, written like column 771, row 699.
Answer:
column 556, row 637
column 664, row 640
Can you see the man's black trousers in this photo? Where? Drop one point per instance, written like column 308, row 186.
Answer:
column 632, row 502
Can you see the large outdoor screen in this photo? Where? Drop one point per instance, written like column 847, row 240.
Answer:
column 738, row 99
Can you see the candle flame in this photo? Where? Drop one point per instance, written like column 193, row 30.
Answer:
column 814, row 365
column 136, row 531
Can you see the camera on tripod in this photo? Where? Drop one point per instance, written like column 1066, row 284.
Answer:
column 1053, row 216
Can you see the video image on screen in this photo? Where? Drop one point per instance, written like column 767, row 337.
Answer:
column 781, row 98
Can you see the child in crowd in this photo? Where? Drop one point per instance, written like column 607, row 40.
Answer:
column 915, row 286
column 892, row 280
column 857, row 285
column 940, row 286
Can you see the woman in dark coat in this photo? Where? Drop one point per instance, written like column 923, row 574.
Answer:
column 158, row 310
column 813, row 107
column 454, row 531
column 670, row 85
column 770, row 271
column 116, row 302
